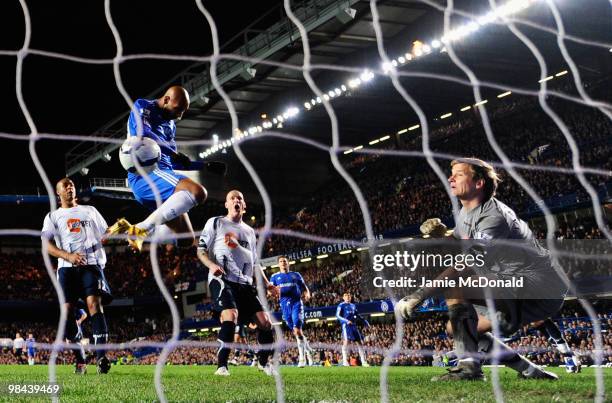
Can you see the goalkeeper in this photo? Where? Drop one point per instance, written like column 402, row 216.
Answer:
column 485, row 220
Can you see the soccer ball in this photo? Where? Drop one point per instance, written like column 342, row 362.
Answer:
column 144, row 149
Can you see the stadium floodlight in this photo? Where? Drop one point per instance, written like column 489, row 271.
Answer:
column 481, row 102
column 84, row 171
column 357, row 148
column 215, row 138
column 106, row 157
column 418, row 52
column 291, row 112
column 343, row 87
column 326, row 97
column 408, row 56
column 252, row 130
column 402, row 131
column 319, row 100
column 504, row 94
column 337, row 91
column 435, row 44
column 331, row 93
column 378, row 314
column 354, row 83
column 384, row 138
column 401, row 59
column 362, row 249
column 414, row 127
column 426, row 49
column 348, row 151
column 313, row 101
column 394, row 63
column 324, row 256
column 366, row 76
column 386, row 67
column 446, row 115
column 275, row 121
column 259, row 129
column 376, row 141
column 306, row 259
column 331, row 319
column 345, row 252
column 202, row 155
column 561, row 73
column 466, row 108
column 280, row 118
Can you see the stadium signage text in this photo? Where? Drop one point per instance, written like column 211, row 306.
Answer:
column 330, row 248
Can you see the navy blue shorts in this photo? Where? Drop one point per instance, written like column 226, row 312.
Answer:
column 229, row 295
column 351, row 333
column 293, row 314
column 79, row 282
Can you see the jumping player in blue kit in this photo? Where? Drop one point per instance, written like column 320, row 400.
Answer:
column 291, row 289
column 179, row 194
column 349, row 318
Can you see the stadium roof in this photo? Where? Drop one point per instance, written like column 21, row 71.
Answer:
column 341, row 37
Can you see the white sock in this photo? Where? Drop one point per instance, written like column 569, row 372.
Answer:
column 166, row 234
column 176, row 205
column 306, row 345
column 344, row 355
column 300, row 345
column 362, row 355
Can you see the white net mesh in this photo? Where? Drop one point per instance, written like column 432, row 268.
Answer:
column 504, row 14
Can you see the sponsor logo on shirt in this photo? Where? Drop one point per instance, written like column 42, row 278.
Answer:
column 231, row 239
column 74, row 224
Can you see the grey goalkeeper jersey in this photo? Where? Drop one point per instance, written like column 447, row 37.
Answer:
column 233, row 246
column 519, row 254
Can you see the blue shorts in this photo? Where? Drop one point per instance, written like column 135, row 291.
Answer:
column 164, row 179
column 31, row 352
column 293, row 314
column 351, row 333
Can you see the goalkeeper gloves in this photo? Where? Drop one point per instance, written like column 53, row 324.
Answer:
column 406, row 307
column 434, row 227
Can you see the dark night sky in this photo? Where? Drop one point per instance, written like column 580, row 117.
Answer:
column 75, row 98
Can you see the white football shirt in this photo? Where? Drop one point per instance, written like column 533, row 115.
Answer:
column 233, row 246
column 77, row 229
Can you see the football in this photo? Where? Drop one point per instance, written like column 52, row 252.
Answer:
column 144, row 149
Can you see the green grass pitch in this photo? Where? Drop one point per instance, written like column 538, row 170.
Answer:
column 197, row 383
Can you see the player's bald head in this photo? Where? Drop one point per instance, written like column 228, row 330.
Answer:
column 62, row 184
column 234, row 203
column 174, row 102
column 233, row 193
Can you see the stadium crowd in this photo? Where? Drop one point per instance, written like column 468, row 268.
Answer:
column 397, row 189
column 425, row 342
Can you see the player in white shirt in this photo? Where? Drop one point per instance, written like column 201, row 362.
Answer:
column 73, row 234
column 228, row 248
column 18, row 345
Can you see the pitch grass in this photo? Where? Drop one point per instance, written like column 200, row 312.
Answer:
column 197, row 383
